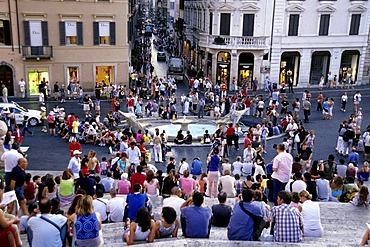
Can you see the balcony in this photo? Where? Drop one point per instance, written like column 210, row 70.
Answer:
column 232, row 42
column 38, row 52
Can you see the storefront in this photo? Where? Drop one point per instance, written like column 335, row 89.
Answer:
column 349, row 65
column 6, row 77
column 223, row 67
column 320, row 63
column 36, row 75
column 245, row 68
column 105, row 73
column 289, row 67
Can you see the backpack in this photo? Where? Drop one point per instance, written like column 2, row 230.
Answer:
column 114, row 170
column 258, row 222
column 62, row 230
column 269, row 169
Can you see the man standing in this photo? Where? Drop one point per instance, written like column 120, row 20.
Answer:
column 5, row 94
column 282, row 169
column 10, row 159
column 202, row 104
column 56, row 91
column 115, row 207
column 157, row 146
column 45, row 234
column 22, row 88
column 241, row 226
column 330, row 79
column 195, row 219
column 75, row 164
column 287, row 220
column 306, row 105
column 17, row 180
column 134, row 154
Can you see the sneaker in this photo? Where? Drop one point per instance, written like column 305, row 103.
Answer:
column 32, row 134
column 264, row 151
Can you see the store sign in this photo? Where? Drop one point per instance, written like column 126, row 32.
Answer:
column 71, row 28
column 104, row 28
column 35, row 33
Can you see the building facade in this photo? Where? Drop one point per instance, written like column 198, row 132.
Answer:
column 282, row 39
column 66, row 41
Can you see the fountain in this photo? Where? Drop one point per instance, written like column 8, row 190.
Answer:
column 184, row 123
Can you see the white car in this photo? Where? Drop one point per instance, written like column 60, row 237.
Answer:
column 34, row 116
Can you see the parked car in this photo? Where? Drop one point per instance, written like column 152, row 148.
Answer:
column 161, row 56
column 34, row 116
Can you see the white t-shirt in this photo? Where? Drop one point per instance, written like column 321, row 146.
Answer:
column 228, row 183
column 226, row 166
column 175, row 202
column 237, row 167
column 22, row 86
column 183, row 167
column 44, row 233
column 100, row 206
column 116, row 208
column 298, row 186
column 10, row 159
column 133, row 155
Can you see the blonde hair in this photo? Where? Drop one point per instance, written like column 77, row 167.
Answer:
column 84, row 205
column 305, row 194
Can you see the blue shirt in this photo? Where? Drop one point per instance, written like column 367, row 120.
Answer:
column 197, row 221
column 196, row 167
column 241, row 225
column 135, row 201
column 214, row 163
column 353, row 157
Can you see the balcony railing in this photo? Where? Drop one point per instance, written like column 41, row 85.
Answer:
column 37, row 52
column 234, row 41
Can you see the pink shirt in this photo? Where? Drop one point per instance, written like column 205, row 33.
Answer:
column 283, row 163
column 152, row 189
column 187, row 184
column 123, row 187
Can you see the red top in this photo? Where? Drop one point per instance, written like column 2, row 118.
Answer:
column 70, row 121
column 74, row 146
column 230, row 131
column 29, row 191
column 18, row 137
column 247, row 103
column 137, row 178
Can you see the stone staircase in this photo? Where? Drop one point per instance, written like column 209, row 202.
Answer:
column 343, row 223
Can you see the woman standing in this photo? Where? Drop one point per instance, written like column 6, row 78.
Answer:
column 322, row 81
column 213, row 175
column 93, row 161
column 87, row 223
column 343, row 102
column 51, row 122
column 311, row 215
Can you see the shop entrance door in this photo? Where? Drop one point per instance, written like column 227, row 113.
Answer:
column 6, row 78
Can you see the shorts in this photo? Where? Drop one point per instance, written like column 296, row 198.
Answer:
column 19, row 192
column 51, row 125
column 86, row 107
column 213, row 176
column 367, row 149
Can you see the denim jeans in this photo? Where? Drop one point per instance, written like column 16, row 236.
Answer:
column 278, row 186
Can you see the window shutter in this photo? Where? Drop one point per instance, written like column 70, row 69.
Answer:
column 355, row 24
column 324, row 25
column 96, row 32
column 225, row 24
column 248, row 24
column 112, row 32
column 293, row 25
column 79, row 33
column 7, row 34
column 45, row 34
column 27, row 37
column 210, row 23
column 62, row 33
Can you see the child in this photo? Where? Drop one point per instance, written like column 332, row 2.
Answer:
column 30, row 189
column 238, row 185
column 295, row 200
column 168, row 225
column 55, row 208
column 104, row 166
column 97, row 106
column 202, row 183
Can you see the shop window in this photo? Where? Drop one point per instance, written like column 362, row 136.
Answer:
column 293, row 25
column 324, row 25
column 225, row 24
column 355, row 24
column 104, row 33
column 35, row 76
column 5, row 32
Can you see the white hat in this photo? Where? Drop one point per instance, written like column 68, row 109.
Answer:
column 51, row 113
column 76, row 152
column 43, row 108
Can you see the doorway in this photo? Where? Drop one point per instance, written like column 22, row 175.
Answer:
column 6, row 78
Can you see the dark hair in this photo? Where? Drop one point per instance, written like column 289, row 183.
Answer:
column 50, row 184
column 55, row 203
column 285, row 196
column 143, row 219
column 57, row 179
column 35, row 178
column 139, row 169
column 307, row 176
column 97, row 179
column 321, row 174
column 45, row 206
column 222, row 196
column 237, row 176
column 295, row 197
column 350, row 180
column 247, row 195
column 1, row 184
column 298, row 175
column 137, row 187
column 72, row 208
column 169, row 214
column 198, row 199
column 28, row 177
column 99, row 193
column 249, row 178
column 149, row 175
column 32, row 207
column 160, row 173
